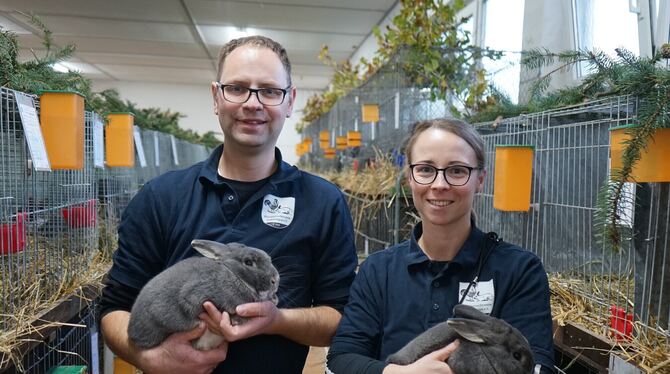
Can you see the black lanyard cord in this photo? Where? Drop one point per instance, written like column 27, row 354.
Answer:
column 490, row 240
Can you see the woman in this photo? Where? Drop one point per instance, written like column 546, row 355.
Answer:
column 402, row 291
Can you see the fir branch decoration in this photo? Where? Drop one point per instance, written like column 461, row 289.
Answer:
column 626, row 74
column 9, row 50
column 38, row 75
column 433, row 51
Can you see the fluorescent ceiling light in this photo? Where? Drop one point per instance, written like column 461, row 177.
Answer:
column 220, row 35
column 79, row 67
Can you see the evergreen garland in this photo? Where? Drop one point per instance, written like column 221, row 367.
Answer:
column 38, row 75
column 627, row 74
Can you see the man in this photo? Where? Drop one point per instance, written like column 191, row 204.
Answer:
column 242, row 193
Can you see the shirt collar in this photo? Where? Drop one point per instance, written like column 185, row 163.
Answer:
column 209, row 172
column 466, row 257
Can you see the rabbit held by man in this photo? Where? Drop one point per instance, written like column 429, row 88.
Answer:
column 488, row 345
column 228, row 275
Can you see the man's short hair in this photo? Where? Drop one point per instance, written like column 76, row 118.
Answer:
column 256, row 41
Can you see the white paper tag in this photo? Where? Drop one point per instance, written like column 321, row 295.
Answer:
column 174, row 150
column 139, row 147
column 32, row 131
column 480, row 296
column 157, row 154
column 98, row 142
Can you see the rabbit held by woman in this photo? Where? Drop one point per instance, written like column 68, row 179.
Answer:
column 488, row 345
column 228, row 275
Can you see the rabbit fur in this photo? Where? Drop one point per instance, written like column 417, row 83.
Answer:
column 488, row 345
column 227, row 275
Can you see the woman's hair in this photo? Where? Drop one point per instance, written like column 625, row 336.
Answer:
column 457, row 127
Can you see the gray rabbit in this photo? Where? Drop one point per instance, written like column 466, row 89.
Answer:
column 228, row 275
column 488, row 345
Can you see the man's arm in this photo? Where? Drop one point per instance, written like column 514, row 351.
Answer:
column 174, row 355
column 308, row 326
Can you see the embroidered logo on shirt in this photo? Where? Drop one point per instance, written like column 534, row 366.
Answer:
column 481, row 295
column 278, row 212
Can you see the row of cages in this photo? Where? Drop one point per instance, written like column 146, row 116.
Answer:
column 545, row 172
column 58, row 228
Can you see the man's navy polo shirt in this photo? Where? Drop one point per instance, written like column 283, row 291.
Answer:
column 399, row 293
column 301, row 220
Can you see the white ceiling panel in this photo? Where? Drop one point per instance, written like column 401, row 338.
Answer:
column 291, row 40
column 381, row 5
column 148, row 10
column 285, row 17
column 118, row 29
column 86, row 44
column 178, row 41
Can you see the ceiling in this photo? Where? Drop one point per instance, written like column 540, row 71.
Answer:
column 177, row 41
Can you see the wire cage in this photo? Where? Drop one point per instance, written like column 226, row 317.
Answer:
column 73, row 344
column 399, row 105
column 570, row 167
column 49, row 233
column 56, row 227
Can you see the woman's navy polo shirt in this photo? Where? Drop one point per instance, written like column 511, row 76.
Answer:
column 301, row 220
column 399, row 293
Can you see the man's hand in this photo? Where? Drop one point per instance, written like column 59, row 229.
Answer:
column 432, row 363
column 261, row 318
column 177, row 355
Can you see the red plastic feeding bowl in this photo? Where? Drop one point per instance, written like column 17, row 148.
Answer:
column 621, row 323
column 13, row 235
column 83, row 215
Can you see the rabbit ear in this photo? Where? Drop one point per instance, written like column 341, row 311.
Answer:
column 209, row 249
column 474, row 331
column 470, row 312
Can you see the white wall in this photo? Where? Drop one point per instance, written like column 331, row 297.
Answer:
column 195, row 102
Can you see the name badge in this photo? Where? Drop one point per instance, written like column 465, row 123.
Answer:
column 278, row 212
column 480, row 296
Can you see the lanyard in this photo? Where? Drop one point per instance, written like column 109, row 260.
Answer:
column 491, row 240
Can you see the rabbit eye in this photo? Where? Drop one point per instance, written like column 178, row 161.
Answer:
column 248, row 262
column 517, row 355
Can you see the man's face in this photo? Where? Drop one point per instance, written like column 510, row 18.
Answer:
column 252, row 125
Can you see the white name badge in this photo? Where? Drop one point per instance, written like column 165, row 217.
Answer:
column 480, row 296
column 278, row 212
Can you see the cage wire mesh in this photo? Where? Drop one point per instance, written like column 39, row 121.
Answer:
column 53, row 224
column 400, row 105
column 69, row 345
column 570, row 166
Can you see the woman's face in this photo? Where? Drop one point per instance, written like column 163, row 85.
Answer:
column 439, row 203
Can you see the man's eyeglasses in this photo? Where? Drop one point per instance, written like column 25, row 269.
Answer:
column 456, row 175
column 240, row 94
